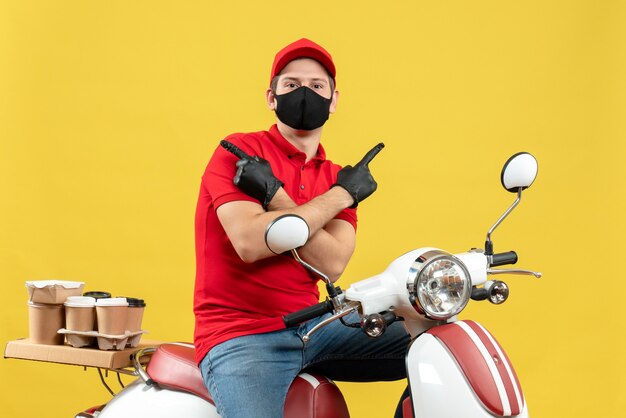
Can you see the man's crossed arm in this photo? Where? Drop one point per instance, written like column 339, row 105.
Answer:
column 331, row 241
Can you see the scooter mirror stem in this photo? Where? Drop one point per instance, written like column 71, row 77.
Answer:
column 309, row 267
column 333, row 292
column 488, row 242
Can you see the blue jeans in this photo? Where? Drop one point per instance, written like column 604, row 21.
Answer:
column 249, row 376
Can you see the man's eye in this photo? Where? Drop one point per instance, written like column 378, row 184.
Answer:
column 318, row 86
column 292, row 85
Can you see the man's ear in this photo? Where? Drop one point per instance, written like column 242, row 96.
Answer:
column 333, row 103
column 271, row 99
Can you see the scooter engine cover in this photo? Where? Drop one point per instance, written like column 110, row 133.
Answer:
column 484, row 364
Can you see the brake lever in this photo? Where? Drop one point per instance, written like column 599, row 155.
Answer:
column 515, row 271
column 347, row 309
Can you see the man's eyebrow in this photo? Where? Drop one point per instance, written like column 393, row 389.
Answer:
column 297, row 79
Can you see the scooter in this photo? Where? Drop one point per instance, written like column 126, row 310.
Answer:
column 454, row 367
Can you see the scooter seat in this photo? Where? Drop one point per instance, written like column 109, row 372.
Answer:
column 174, row 366
column 310, row 396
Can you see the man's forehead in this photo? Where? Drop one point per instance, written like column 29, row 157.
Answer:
column 305, row 67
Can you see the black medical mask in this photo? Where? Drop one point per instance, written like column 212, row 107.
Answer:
column 302, row 109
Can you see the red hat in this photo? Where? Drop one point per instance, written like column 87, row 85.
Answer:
column 302, row 48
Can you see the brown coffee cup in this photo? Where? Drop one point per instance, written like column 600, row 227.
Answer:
column 135, row 314
column 97, row 294
column 44, row 322
column 80, row 313
column 112, row 314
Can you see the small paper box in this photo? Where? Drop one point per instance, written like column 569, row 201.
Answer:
column 53, row 291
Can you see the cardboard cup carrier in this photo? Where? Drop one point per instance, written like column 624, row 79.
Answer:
column 44, row 322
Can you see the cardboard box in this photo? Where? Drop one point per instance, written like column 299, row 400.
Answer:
column 65, row 354
column 53, row 291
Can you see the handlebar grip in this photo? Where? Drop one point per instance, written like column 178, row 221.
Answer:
column 501, row 259
column 305, row 314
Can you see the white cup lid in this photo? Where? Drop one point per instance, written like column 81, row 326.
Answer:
column 112, row 302
column 80, row 302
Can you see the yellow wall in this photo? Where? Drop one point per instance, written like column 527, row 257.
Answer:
column 109, row 111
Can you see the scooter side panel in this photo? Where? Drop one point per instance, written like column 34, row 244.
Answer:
column 484, row 364
column 140, row 400
column 439, row 387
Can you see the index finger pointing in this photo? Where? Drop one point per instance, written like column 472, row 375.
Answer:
column 234, row 149
column 371, row 154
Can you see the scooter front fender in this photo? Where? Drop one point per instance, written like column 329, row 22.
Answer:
column 141, row 400
column 459, row 369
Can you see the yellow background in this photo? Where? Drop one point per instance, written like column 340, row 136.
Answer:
column 109, row 111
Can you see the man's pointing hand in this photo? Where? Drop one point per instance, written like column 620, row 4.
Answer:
column 358, row 180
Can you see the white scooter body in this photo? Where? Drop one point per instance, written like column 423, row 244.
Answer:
column 440, row 386
column 141, row 400
column 441, row 389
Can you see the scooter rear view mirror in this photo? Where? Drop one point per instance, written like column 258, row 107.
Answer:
column 518, row 172
column 286, row 233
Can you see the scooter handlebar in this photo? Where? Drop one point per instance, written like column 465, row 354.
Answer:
column 502, row 259
column 305, row 314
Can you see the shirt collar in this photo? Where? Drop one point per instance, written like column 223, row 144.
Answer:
column 291, row 151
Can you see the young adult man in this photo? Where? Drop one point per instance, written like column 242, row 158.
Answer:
column 247, row 357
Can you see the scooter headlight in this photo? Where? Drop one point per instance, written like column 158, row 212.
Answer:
column 440, row 285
